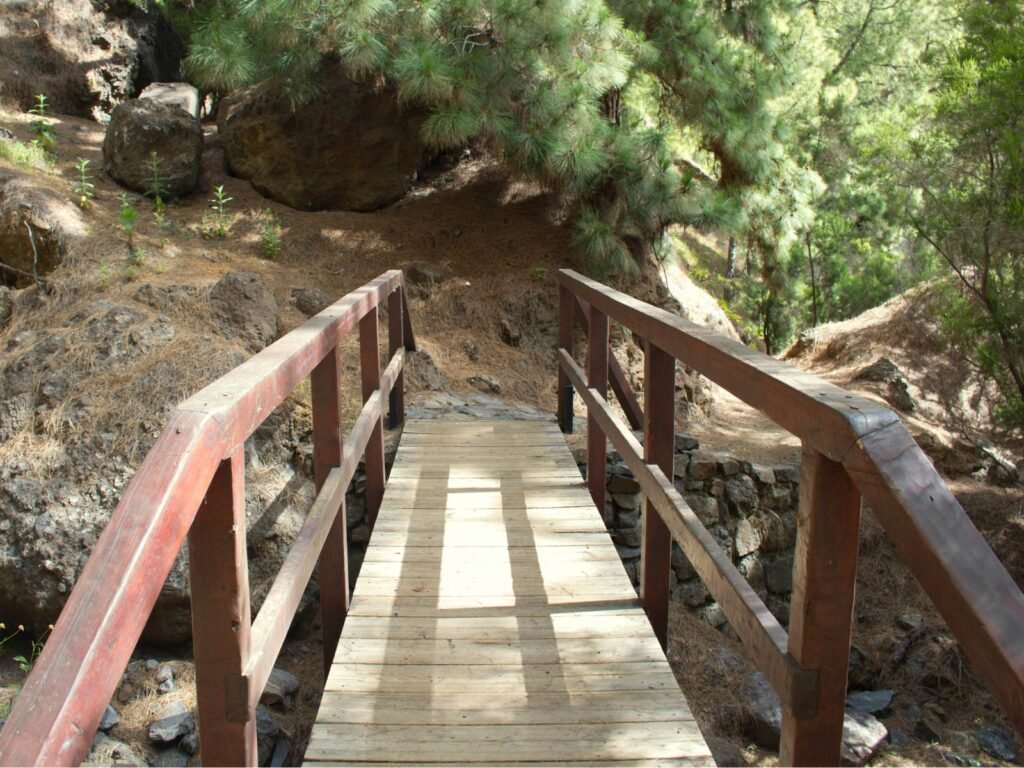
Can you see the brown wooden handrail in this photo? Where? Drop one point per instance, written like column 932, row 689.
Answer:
column 853, row 448
column 192, row 484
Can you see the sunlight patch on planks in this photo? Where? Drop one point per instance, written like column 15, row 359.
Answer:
column 493, row 623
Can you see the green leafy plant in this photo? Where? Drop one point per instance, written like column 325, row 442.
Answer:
column 215, row 221
column 539, row 274
column 24, row 154
column 127, row 218
column 270, row 235
column 46, row 138
column 25, row 663
column 83, row 187
column 156, row 187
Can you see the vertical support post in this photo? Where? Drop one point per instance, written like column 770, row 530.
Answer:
column 597, row 379
column 565, row 341
column 221, row 621
column 332, row 566
column 821, row 612
column 396, row 340
column 369, row 362
column 659, row 447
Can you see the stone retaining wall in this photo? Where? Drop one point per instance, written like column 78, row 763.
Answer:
column 749, row 508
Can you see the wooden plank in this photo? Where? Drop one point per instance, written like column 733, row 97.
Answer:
column 56, row 713
column 369, row 367
column 501, row 628
column 475, row 743
column 677, row 762
column 659, row 448
column 396, row 341
column 491, row 537
column 821, row 609
column 455, row 679
column 218, row 573
column 597, row 379
column 556, row 568
column 566, row 305
column 524, row 605
column 620, row 385
column 496, row 587
column 498, row 555
column 332, row 565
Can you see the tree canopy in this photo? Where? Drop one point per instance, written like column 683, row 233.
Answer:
column 846, row 148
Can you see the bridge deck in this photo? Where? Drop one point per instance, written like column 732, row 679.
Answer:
column 493, row 622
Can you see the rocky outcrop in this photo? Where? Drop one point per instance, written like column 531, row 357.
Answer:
column 141, row 127
column 87, row 57
column 353, row 148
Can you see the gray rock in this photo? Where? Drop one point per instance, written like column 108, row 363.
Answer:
column 267, row 730
column 728, row 465
column 997, row 743
column 109, row 719
column 471, row 351
column 685, row 443
column 509, row 333
column 627, row 537
column 863, row 736
column 189, row 743
column 741, row 494
column 682, row 567
column 280, row 756
column 310, row 301
column 353, row 148
column 725, row 752
column 6, row 306
column 693, row 593
column 909, row 621
column 702, row 466
column 624, row 484
column 108, row 751
column 245, row 309
column 752, row 570
column 712, row 614
column 680, row 466
column 281, row 686
column 180, row 95
column 764, row 475
column 173, row 722
column 171, row 757
column 423, row 275
column 747, row 538
column 871, row 702
column 485, row 383
column 627, row 518
column 140, row 127
column 787, row 473
column 629, row 501
column 765, row 711
column 705, row 507
column 778, row 575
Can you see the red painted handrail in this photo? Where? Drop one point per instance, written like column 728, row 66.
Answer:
column 195, row 467
column 853, row 448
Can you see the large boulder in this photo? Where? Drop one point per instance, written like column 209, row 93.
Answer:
column 181, row 95
column 140, row 127
column 353, row 148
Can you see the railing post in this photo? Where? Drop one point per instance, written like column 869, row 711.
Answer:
column 659, row 446
column 597, row 379
column 396, row 340
column 565, row 341
column 821, row 612
column 332, row 565
column 221, row 621
column 369, row 362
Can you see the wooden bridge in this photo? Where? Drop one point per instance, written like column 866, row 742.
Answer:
column 492, row 622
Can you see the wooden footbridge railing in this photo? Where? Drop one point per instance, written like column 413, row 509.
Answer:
column 192, row 485
column 853, row 449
